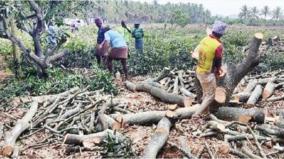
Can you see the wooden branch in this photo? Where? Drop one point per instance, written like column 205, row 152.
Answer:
column 152, row 117
column 255, row 95
column 159, row 93
column 246, row 151
column 257, row 143
column 163, row 74
column 273, row 99
column 103, row 119
column 271, row 130
column 19, row 128
column 175, row 91
column 238, row 153
column 187, row 93
column 237, row 114
column 158, row 139
column 92, row 139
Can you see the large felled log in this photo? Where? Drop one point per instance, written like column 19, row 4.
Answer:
column 268, row 90
column 158, row 139
column 20, row 127
column 159, row 93
column 150, row 117
column 92, row 139
column 255, row 95
column 240, row 114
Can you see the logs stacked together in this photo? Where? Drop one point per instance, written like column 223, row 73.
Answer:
column 260, row 87
column 75, row 111
column 177, row 81
column 274, row 44
column 243, row 140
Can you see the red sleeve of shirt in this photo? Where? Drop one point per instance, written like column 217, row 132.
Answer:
column 219, row 52
column 218, row 56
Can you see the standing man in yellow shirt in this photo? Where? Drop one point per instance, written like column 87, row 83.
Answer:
column 209, row 54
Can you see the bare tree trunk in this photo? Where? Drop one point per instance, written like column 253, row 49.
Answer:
column 236, row 72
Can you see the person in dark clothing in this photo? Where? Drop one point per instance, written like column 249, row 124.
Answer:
column 138, row 35
column 101, row 49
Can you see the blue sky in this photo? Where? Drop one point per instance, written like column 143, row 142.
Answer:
column 227, row 7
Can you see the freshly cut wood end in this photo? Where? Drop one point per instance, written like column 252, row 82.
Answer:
column 188, row 101
column 7, row 151
column 92, row 142
column 258, row 35
column 265, row 94
column 220, row 95
column 160, row 130
column 244, row 118
column 170, row 114
column 172, row 107
column 116, row 126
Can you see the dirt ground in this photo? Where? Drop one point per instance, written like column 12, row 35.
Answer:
column 43, row 145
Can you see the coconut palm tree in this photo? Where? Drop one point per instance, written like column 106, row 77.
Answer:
column 244, row 14
column 276, row 13
column 265, row 11
column 254, row 12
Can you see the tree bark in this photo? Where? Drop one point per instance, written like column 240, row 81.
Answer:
column 159, row 93
column 237, row 114
column 158, row 139
column 20, row 127
column 96, row 138
column 255, row 95
column 236, row 72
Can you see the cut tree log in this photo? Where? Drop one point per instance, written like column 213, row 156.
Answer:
column 158, row 139
column 236, row 72
column 240, row 114
column 19, row 128
column 251, row 85
column 149, row 117
column 180, row 78
column 187, row 93
column 176, row 86
column 255, row 95
column 92, row 139
column 268, row 90
column 220, row 95
column 163, row 95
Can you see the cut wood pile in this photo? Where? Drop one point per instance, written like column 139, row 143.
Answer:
column 66, row 116
column 274, row 45
column 256, row 88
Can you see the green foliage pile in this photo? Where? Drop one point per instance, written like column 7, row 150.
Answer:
column 113, row 148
